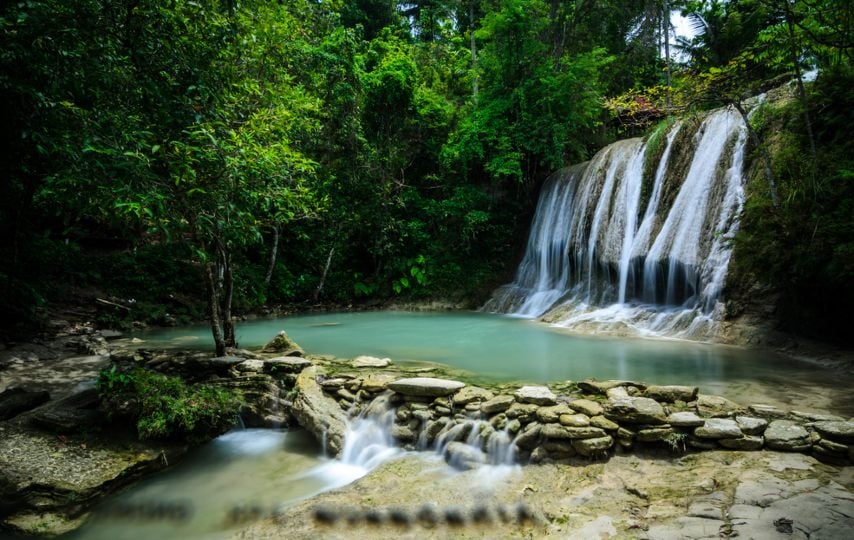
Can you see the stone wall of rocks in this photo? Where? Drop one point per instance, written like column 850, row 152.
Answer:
column 590, row 419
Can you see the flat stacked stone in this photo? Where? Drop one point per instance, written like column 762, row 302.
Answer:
column 586, row 406
column 840, row 431
column 536, row 395
column 552, row 413
column 472, row 394
column 654, row 434
column 787, row 436
column 498, row 404
column 594, row 446
column 672, row 393
column 685, row 419
column 718, row 428
column 425, row 387
column 635, row 410
column 574, row 420
column 750, row 425
column 716, row 406
column 747, row 442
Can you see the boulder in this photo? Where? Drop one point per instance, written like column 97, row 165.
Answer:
column 72, row 414
column 750, row 425
column 528, row 438
column 14, row 401
column 594, row 446
column 284, row 345
column 787, row 436
column 836, row 430
column 286, row 364
column 318, row 413
column 403, row 433
column 716, row 406
column 370, row 362
column 685, row 419
column 464, row 456
column 635, row 410
column 586, row 406
column 670, row 394
column 718, row 428
column 538, row 395
column 471, row 394
column 497, row 404
column 559, row 448
column 433, row 427
column 425, row 387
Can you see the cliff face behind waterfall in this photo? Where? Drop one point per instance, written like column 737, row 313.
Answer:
column 638, row 239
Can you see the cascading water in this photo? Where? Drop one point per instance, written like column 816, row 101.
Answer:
column 368, row 443
column 638, row 239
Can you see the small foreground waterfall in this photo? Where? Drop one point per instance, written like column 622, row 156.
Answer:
column 464, row 443
column 638, row 239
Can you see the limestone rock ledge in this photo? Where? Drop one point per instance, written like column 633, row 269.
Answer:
column 49, row 483
column 318, row 413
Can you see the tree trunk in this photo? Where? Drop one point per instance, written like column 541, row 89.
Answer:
column 213, row 309
column 325, row 272
column 766, row 157
column 274, row 252
column 227, row 295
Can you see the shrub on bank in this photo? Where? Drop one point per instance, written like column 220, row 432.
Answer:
column 164, row 407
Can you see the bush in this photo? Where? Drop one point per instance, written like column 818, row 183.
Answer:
column 165, row 407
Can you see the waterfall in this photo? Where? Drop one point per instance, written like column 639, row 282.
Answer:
column 638, row 239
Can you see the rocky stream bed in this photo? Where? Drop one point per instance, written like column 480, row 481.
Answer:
column 574, row 459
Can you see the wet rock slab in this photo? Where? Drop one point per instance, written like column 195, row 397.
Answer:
column 717, row 494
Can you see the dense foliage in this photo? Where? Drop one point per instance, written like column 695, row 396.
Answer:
column 231, row 154
column 164, row 407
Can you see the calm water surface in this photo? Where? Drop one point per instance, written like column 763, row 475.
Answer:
column 501, row 348
column 232, row 481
